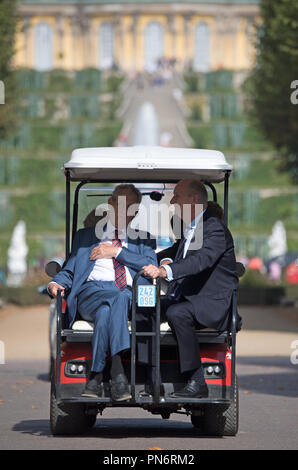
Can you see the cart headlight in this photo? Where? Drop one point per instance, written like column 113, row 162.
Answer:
column 214, row 370
column 78, row 369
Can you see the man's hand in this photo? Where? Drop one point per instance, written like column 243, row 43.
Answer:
column 166, row 261
column 53, row 288
column 104, row 250
column 154, row 271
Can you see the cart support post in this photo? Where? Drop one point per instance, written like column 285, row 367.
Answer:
column 75, row 209
column 233, row 334
column 157, row 343
column 155, row 333
column 58, row 343
column 226, row 197
column 133, row 339
column 67, row 214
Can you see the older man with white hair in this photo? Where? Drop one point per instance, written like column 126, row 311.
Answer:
column 98, row 278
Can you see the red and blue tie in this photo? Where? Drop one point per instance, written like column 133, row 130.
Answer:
column 120, row 274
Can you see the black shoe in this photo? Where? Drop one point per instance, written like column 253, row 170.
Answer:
column 93, row 389
column 192, row 390
column 119, row 388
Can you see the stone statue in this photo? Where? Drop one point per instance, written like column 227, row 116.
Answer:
column 17, row 253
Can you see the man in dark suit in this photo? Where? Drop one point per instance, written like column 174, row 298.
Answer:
column 201, row 268
column 98, row 278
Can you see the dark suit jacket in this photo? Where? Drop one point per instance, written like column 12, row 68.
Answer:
column 139, row 252
column 207, row 275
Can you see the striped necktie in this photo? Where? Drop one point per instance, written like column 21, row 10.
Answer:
column 120, row 274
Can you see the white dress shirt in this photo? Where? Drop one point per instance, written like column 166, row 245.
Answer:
column 103, row 269
column 188, row 235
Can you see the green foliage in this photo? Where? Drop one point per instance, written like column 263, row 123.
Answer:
column 191, row 81
column 257, row 172
column 254, row 278
column 58, row 80
column 226, row 135
column 269, row 86
column 7, row 76
column 260, row 194
column 32, row 80
column 23, row 296
column 113, row 82
column 219, row 80
column 4, row 245
column 88, row 79
column 211, row 82
column 196, row 112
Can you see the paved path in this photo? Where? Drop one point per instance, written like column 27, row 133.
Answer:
column 169, row 113
column 267, row 378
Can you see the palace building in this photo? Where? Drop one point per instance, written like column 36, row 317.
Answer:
column 134, row 35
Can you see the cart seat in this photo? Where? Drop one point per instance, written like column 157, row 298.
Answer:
column 83, row 325
column 83, row 331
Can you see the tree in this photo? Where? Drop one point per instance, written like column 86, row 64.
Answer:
column 276, row 70
column 8, row 22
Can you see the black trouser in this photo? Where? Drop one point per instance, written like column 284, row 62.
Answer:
column 181, row 319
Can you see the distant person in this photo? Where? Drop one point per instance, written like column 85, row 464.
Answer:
column 256, row 264
column 274, row 271
column 216, row 210
column 91, row 219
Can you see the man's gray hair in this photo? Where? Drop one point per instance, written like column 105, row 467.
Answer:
column 125, row 188
column 197, row 187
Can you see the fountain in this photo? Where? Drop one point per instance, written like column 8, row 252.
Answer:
column 147, row 126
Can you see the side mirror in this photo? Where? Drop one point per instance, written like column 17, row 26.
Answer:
column 54, row 266
column 240, row 269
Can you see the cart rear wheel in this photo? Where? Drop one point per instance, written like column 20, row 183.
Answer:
column 196, row 421
column 222, row 421
column 68, row 418
column 90, row 420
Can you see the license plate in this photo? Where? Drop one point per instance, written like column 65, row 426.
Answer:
column 146, row 296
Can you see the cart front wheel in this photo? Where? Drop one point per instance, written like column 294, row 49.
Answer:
column 68, row 418
column 222, row 421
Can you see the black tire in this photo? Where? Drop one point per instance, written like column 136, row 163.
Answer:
column 220, row 420
column 68, row 418
column 51, row 368
column 90, row 420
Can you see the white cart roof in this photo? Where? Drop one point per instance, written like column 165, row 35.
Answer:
column 154, row 164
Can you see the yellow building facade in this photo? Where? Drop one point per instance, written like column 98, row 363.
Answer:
column 73, row 34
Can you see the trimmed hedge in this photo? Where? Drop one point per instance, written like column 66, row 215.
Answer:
column 23, row 296
column 253, row 295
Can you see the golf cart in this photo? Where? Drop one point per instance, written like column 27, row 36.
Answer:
column 71, row 413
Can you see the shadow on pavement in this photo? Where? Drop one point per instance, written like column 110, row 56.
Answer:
column 268, row 375
column 35, row 427
column 118, row 428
